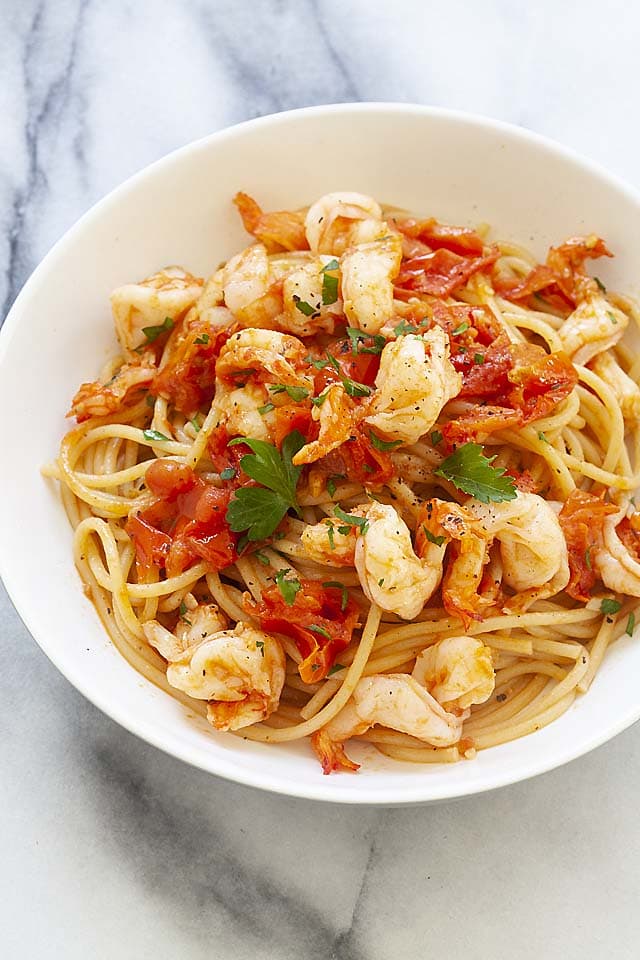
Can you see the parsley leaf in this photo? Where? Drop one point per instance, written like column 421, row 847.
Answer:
column 319, row 400
column 152, row 333
column 296, row 393
column 287, row 587
column 339, row 586
column 321, row 630
column 267, row 408
column 256, row 509
column 631, row 623
column 383, row 444
column 609, row 606
column 336, row 668
column 153, row 435
column 318, row 363
column 542, row 436
column 204, row 338
column 431, row 537
column 260, row 646
column 183, row 613
column 331, row 265
column 436, row 437
column 331, row 482
column 194, row 423
column 262, row 558
column 355, row 389
column 471, row 472
column 478, row 358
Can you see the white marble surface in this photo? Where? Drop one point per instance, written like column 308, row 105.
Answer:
column 111, row 849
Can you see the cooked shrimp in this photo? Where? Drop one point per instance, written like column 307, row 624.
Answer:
column 338, row 220
column 457, row 671
column 245, row 278
column 415, row 380
column 337, row 415
column 240, row 671
column 302, row 289
column 202, row 620
column 102, row 399
column 394, row 700
column 390, row 573
column 368, row 271
column 625, row 390
column 239, row 410
column 532, row 546
column 168, row 293
column 448, row 523
column 619, row 569
column 594, row 326
column 278, row 354
column 327, row 542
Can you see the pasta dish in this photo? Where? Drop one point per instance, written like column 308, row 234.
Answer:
column 371, row 480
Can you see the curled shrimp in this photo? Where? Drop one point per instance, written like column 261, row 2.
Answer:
column 430, row 705
column 533, row 549
column 240, row 411
column 240, row 672
column 618, row 567
column 277, row 354
column 336, row 415
column 448, row 523
column 390, row 573
column 593, row 327
column 625, row 390
column 168, row 293
column 329, row 542
column 338, row 220
column 201, row 621
column 457, row 671
column 368, row 271
column 415, row 380
column 102, row 399
column 301, row 290
column 245, row 278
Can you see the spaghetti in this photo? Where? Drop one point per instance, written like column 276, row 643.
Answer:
column 373, row 479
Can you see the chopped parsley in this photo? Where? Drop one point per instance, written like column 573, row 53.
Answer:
column 228, row 473
column 194, row 423
column 478, row 358
column 609, row 606
column 151, row 401
column 380, row 444
column 541, row 436
column 152, row 333
column 154, row 435
column 356, row 336
column 342, row 588
column 262, row 558
column 470, row 471
column 183, row 613
column 336, row 668
column 461, row 329
column 349, row 518
column 600, row 284
column 321, row 630
column 203, row 338
column 288, row 586
column 436, row 437
column 267, row 408
column 296, row 393
column 304, row 307
column 331, row 482
column 260, row 646
column 403, row 328
column 631, row 623
column 431, row 537
column 329, row 283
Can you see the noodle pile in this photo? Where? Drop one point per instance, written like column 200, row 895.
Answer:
column 546, row 650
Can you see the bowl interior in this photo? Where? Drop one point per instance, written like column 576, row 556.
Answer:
column 179, row 210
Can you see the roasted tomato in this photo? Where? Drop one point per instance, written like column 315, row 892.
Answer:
column 186, row 521
column 461, row 240
column 582, row 518
column 318, row 621
column 282, row 230
column 442, row 272
column 187, row 378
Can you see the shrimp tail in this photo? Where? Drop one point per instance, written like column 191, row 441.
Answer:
column 331, row 754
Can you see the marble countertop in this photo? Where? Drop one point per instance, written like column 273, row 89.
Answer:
column 111, row 849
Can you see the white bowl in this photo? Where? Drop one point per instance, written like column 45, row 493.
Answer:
column 459, row 168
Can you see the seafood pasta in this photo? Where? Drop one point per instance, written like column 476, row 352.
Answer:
column 372, row 479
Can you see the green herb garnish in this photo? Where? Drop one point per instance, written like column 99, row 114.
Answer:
column 287, row 587
column 383, row 444
column 154, row 435
column 339, row 586
column 470, row 471
column 152, row 333
column 609, row 606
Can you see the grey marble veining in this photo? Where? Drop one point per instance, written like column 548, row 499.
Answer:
column 111, row 849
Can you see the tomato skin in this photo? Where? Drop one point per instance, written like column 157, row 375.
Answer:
column 461, row 240
column 314, row 605
column 186, row 521
column 294, row 416
column 582, row 518
column 188, row 377
column 442, row 272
